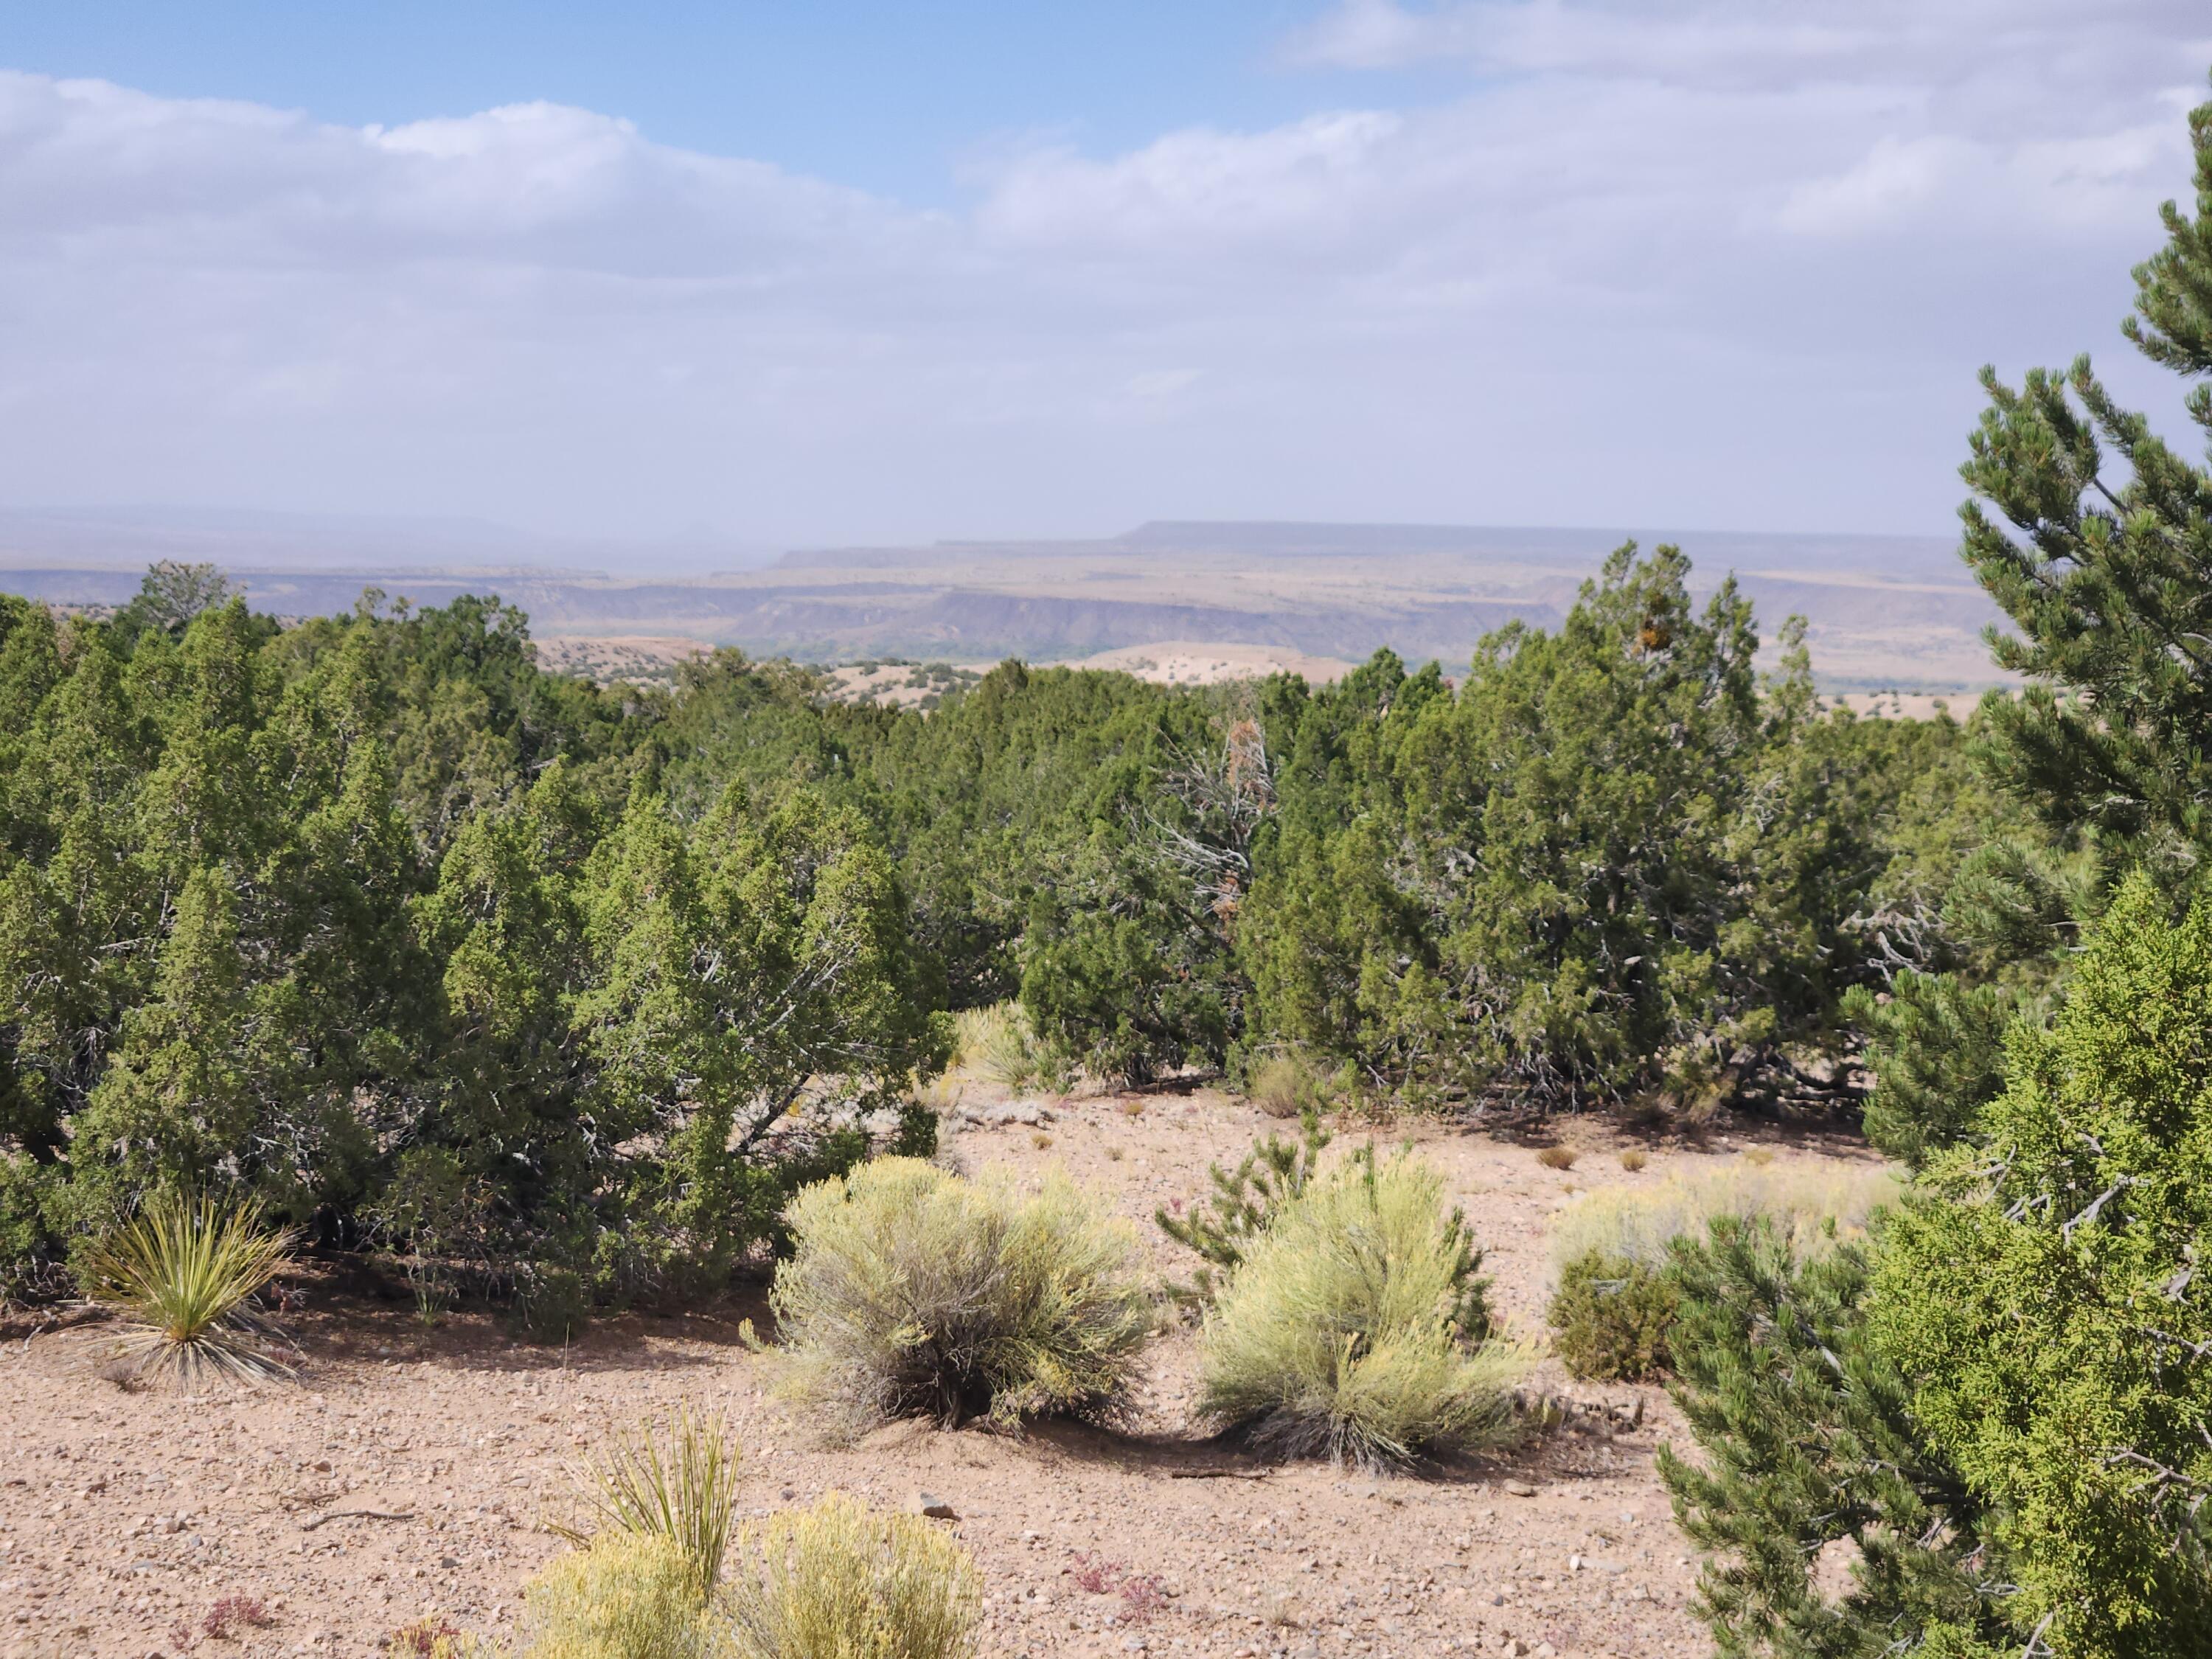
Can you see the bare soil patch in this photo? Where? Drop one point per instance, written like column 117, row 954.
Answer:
column 405, row 1476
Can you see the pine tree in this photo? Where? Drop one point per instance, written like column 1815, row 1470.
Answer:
column 1809, row 1443
column 2108, row 581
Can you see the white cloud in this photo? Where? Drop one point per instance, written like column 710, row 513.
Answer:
column 1726, row 263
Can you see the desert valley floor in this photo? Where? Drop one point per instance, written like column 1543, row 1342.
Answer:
column 405, row 1476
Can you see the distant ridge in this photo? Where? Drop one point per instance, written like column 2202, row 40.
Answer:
column 1883, row 611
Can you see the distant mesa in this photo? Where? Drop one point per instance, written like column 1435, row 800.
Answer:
column 1221, row 598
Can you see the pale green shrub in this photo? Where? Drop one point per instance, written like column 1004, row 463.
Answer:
column 1637, row 1223
column 1343, row 1332
column 913, row 1292
column 626, row 1596
column 685, row 1491
column 186, row 1275
column 840, row 1580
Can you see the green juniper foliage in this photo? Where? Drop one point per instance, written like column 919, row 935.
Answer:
column 559, row 991
column 2045, row 1294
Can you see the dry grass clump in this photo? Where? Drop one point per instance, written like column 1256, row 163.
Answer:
column 913, row 1292
column 435, row 1637
column 840, row 1580
column 1637, row 1225
column 186, row 1275
column 1342, row 1331
column 683, row 1492
column 629, row 1596
column 1557, row 1158
column 997, row 1043
column 1634, row 1159
column 1286, row 1087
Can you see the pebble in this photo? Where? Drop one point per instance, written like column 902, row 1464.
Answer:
column 934, row 1507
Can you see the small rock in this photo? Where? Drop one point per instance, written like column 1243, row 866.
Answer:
column 448, row 1561
column 1545, row 1650
column 1520, row 1489
column 934, row 1507
column 787, row 1494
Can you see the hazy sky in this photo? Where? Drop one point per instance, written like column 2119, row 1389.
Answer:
column 832, row 271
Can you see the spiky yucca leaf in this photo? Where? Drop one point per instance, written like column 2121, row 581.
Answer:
column 684, row 1490
column 187, row 1275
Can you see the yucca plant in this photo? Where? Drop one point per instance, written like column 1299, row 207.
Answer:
column 683, row 1490
column 838, row 1579
column 998, row 1043
column 187, row 1275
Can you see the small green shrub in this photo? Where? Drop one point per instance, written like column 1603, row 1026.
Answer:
column 627, row 1596
column 685, row 1491
column 1611, row 1317
column 840, row 1580
column 1275, row 1171
column 186, row 1274
column 1344, row 1332
column 552, row 1304
column 913, row 1292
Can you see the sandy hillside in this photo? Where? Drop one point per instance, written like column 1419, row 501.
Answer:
column 404, row 1475
column 1202, row 662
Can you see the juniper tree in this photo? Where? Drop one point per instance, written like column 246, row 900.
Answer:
column 2046, row 1292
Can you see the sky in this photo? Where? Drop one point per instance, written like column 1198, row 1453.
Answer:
column 807, row 274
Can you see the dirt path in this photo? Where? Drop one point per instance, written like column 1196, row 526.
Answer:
column 126, row 1518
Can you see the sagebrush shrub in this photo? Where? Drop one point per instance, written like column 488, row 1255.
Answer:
column 840, row 1580
column 186, row 1274
column 1610, row 1318
column 626, row 1596
column 915, row 1292
column 1344, row 1332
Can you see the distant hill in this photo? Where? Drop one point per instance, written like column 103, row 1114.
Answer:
column 1882, row 611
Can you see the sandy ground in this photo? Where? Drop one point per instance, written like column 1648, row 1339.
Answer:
column 405, row 1474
